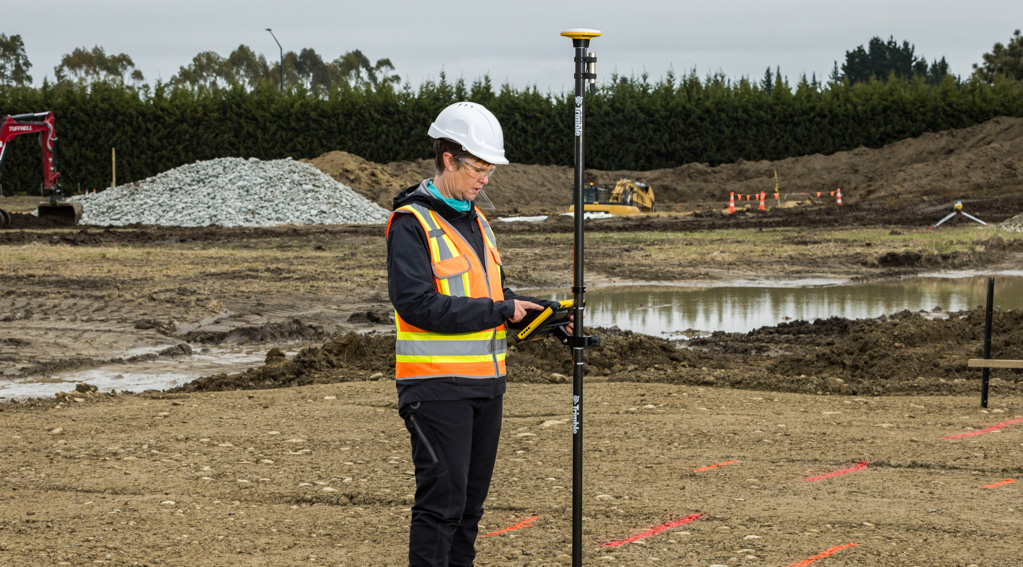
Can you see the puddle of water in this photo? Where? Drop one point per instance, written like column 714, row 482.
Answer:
column 659, row 310
column 158, row 374
column 739, row 307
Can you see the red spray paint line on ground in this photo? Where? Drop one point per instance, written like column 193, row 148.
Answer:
column 983, row 431
column 822, row 555
column 999, row 483
column 707, row 468
column 523, row 524
column 654, row 531
column 860, row 466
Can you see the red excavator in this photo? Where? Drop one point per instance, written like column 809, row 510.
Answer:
column 40, row 123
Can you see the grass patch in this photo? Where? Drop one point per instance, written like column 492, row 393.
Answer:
column 266, row 269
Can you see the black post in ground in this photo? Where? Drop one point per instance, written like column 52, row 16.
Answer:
column 584, row 71
column 986, row 373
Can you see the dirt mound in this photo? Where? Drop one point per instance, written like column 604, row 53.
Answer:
column 515, row 188
column 357, row 356
column 341, row 359
column 902, row 353
column 931, row 171
column 376, row 182
column 620, row 352
column 277, row 332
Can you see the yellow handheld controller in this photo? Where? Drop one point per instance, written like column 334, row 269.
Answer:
column 547, row 321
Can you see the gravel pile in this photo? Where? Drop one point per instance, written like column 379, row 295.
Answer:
column 1015, row 224
column 232, row 192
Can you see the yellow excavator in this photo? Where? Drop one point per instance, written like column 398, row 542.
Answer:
column 627, row 198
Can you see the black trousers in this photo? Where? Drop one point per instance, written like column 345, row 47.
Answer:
column 454, row 446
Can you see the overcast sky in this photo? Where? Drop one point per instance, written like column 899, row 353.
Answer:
column 515, row 42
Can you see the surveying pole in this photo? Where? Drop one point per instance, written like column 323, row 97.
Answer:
column 585, row 70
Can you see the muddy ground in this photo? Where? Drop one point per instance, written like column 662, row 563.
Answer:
column 302, row 459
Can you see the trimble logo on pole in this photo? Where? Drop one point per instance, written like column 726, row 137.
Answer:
column 578, row 116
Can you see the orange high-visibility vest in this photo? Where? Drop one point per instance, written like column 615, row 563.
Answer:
column 458, row 272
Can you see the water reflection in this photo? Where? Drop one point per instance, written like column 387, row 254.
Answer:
column 659, row 310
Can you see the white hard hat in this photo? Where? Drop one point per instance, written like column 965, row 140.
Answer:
column 475, row 128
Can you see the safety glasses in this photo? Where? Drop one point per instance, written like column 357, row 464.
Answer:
column 478, row 172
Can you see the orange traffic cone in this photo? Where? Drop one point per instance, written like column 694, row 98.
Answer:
column 839, row 193
column 731, row 203
column 818, row 194
column 762, row 197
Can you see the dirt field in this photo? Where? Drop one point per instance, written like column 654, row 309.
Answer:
column 830, row 436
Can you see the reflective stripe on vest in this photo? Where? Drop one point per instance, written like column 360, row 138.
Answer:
column 457, row 272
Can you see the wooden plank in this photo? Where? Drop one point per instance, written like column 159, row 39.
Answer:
column 994, row 363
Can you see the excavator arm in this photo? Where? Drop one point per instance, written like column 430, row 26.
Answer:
column 41, row 123
column 634, row 193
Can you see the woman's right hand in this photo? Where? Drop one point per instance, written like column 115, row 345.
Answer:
column 521, row 307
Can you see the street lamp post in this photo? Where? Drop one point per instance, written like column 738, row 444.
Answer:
column 282, row 56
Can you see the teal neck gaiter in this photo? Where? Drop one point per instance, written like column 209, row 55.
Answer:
column 455, row 204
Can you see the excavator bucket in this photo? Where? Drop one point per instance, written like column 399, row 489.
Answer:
column 69, row 212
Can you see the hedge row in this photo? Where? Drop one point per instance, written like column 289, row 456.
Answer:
column 631, row 123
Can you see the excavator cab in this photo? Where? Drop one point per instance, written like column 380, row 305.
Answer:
column 593, row 194
column 41, row 123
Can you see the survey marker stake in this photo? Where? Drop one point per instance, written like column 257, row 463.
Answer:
column 985, row 374
column 585, row 71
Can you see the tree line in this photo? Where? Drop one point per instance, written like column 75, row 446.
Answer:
column 632, row 123
column 208, row 70
column 879, row 59
column 305, row 69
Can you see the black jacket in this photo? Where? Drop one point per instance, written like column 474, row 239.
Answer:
column 411, row 289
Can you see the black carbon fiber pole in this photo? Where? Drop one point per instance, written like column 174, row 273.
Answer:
column 584, row 67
